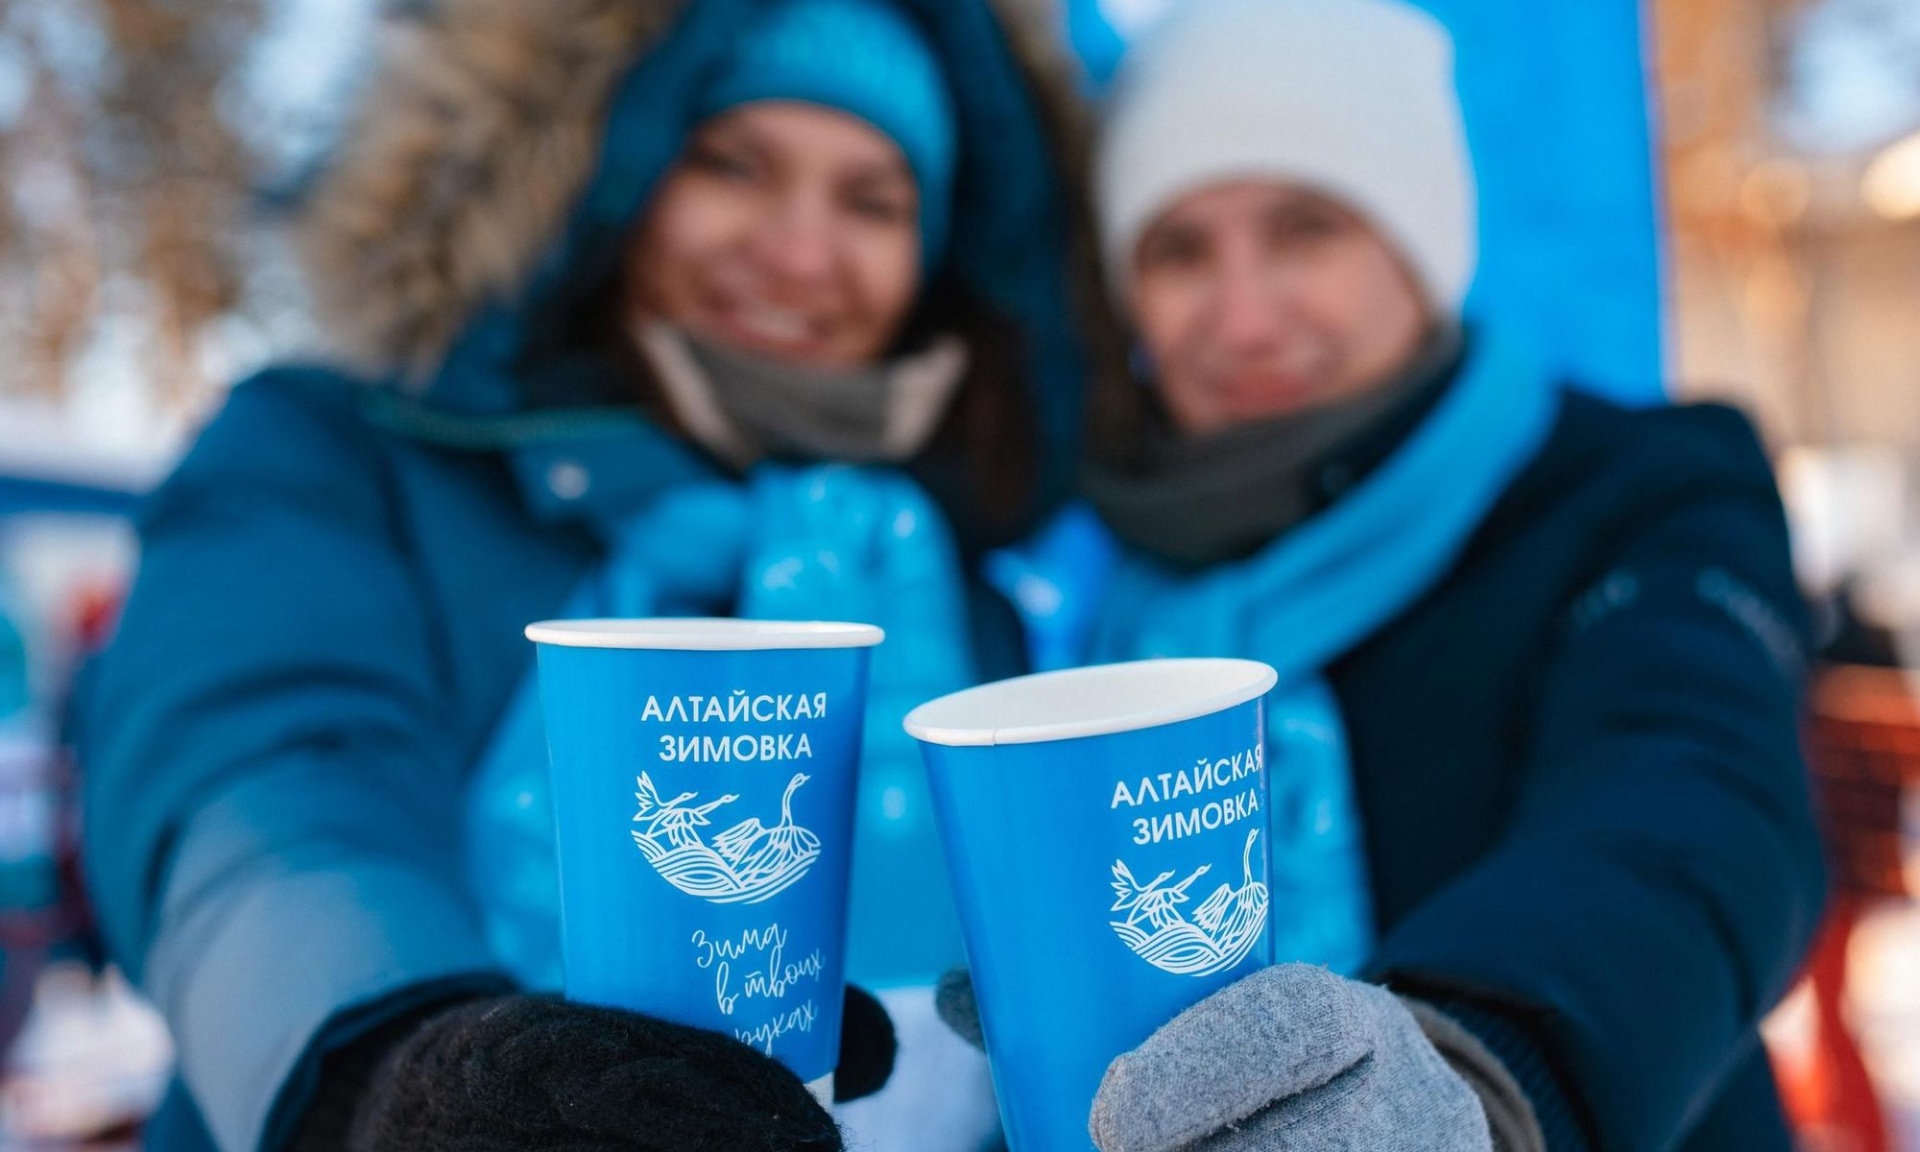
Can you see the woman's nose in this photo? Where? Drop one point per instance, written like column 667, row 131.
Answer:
column 797, row 241
column 1246, row 306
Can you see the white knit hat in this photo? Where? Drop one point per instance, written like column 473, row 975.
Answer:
column 1352, row 97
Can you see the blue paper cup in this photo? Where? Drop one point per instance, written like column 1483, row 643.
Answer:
column 704, row 776
column 1106, row 831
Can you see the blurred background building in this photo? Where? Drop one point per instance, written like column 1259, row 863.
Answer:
column 1792, row 150
column 1765, row 245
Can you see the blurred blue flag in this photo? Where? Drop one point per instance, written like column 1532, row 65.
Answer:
column 1558, row 105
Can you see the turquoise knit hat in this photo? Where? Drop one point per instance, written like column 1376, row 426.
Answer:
column 864, row 58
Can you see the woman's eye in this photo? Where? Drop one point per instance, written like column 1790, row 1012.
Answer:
column 1171, row 250
column 723, row 163
column 881, row 207
column 1304, row 226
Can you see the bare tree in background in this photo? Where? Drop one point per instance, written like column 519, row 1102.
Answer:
column 126, row 188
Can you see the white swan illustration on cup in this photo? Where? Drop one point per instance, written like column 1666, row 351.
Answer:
column 745, row 864
column 1224, row 928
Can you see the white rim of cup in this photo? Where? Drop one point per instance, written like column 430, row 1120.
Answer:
column 1098, row 700
column 695, row 634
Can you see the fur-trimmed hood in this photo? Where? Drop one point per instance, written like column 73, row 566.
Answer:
column 506, row 146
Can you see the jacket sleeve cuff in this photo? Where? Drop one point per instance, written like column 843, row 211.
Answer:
column 1528, row 1107
column 250, row 983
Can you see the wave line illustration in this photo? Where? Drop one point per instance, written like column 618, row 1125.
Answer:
column 744, row 864
column 1223, row 929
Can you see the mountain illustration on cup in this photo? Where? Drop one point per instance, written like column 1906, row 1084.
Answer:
column 744, row 864
column 1224, row 928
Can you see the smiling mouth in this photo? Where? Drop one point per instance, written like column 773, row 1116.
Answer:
column 1265, row 388
column 765, row 327
column 773, row 324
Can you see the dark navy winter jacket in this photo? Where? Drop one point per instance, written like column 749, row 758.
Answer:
column 1578, row 766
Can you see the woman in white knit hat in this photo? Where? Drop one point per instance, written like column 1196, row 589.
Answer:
column 1544, row 841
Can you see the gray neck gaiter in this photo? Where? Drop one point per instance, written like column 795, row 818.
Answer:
column 1199, row 500
column 746, row 408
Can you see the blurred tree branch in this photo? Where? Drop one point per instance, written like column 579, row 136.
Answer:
column 128, row 186
column 1735, row 200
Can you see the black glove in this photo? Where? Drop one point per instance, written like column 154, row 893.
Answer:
column 525, row 1072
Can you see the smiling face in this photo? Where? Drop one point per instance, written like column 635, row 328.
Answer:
column 787, row 230
column 1258, row 299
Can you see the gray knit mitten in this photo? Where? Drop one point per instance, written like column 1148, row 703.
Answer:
column 1294, row 1058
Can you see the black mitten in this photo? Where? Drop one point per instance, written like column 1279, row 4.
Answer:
column 867, row 1047
column 522, row 1072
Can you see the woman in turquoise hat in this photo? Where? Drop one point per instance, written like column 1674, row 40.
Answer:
column 748, row 307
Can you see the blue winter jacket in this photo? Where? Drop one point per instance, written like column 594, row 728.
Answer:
column 327, row 620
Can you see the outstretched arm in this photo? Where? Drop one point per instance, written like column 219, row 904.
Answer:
column 1661, row 877
column 270, row 800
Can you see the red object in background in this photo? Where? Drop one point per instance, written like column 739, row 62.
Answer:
column 1828, row 1092
column 95, row 614
column 33, row 926
column 1863, row 745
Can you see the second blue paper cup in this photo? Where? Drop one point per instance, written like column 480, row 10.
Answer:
column 1106, row 831
column 704, row 776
